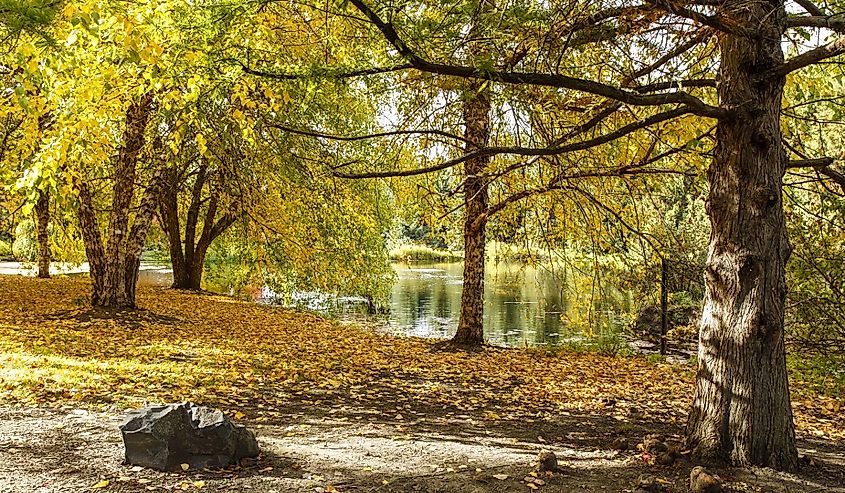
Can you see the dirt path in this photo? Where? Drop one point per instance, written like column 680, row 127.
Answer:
column 69, row 450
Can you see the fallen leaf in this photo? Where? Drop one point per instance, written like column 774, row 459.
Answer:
column 501, row 477
column 101, row 484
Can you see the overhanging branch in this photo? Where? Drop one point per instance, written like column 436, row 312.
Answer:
column 695, row 105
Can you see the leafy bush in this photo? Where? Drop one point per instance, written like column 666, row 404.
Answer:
column 24, row 246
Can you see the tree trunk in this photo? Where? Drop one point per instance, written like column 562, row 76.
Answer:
column 476, row 114
column 42, row 216
column 741, row 412
column 188, row 256
column 114, row 269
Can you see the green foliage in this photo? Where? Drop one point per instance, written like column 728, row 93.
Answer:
column 824, row 375
column 25, row 247
column 5, row 248
column 31, row 16
column 231, row 266
column 416, row 253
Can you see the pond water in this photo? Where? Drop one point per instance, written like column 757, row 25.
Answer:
column 523, row 305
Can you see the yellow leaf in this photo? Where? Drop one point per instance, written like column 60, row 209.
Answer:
column 199, row 484
column 101, row 484
column 185, row 467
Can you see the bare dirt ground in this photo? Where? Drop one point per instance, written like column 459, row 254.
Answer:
column 314, row 450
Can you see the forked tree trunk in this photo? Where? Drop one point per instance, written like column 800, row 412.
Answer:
column 741, row 412
column 42, row 223
column 476, row 114
column 114, row 269
column 188, row 256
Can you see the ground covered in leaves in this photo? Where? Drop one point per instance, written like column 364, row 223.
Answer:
column 338, row 408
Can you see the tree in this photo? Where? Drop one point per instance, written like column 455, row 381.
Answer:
column 114, row 262
column 741, row 412
column 206, row 172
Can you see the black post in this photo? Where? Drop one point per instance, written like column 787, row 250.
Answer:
column 664, row 299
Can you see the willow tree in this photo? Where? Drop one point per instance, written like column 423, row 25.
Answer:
column 106, row 82
column 741, row 412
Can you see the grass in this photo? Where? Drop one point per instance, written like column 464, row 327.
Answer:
column 422, row 253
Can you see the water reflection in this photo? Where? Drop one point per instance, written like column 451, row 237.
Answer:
column 522, row 304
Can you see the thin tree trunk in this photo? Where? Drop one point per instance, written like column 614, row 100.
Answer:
column 741, row 412
column 92, row 240
column 42, row 216
column 169, row 214
column 476, row 114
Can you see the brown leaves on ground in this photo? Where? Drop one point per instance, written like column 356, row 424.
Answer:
column 255, row 360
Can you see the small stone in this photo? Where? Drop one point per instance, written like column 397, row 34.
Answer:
column 702, row 481
column 621, row 444
column 547, row 461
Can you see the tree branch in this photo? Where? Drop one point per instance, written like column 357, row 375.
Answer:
column 810, row 7
column 695, row 105
column 717, row 22
column 835, row 23
column 354, row 138
column 832, row 49
column 524, row 151
column 323, row 73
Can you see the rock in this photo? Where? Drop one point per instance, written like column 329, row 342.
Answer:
column 547, row 461
column 701, row 481
column 648, row 320
column 648, row 484
column 621, row 444
column 654, row 445
column 668, row 458
column 165, row 437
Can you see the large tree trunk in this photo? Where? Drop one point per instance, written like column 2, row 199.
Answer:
column 42, row 217
column 741, row 412
column 476, row 114
column 114, row 269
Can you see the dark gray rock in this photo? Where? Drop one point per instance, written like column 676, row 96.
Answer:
column 165, row 437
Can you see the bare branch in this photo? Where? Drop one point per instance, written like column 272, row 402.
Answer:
column 695, row 105
column 832, row 49
column 328, row 73
column 525, row 151
column 717, row 22
column 810, row 7
column 834, row 23
column 354, row 138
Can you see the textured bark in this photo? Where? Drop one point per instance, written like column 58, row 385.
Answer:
column 188, row 256
column 92, row 240
column 42, row 222
column 476, row 114
column 114, row 268
column 741, row 412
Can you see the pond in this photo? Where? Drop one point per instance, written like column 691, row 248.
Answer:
column 523, row 305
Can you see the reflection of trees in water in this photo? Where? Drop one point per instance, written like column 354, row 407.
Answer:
column 521, row 303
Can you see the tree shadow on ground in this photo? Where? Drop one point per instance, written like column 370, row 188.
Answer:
column 598, row 450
